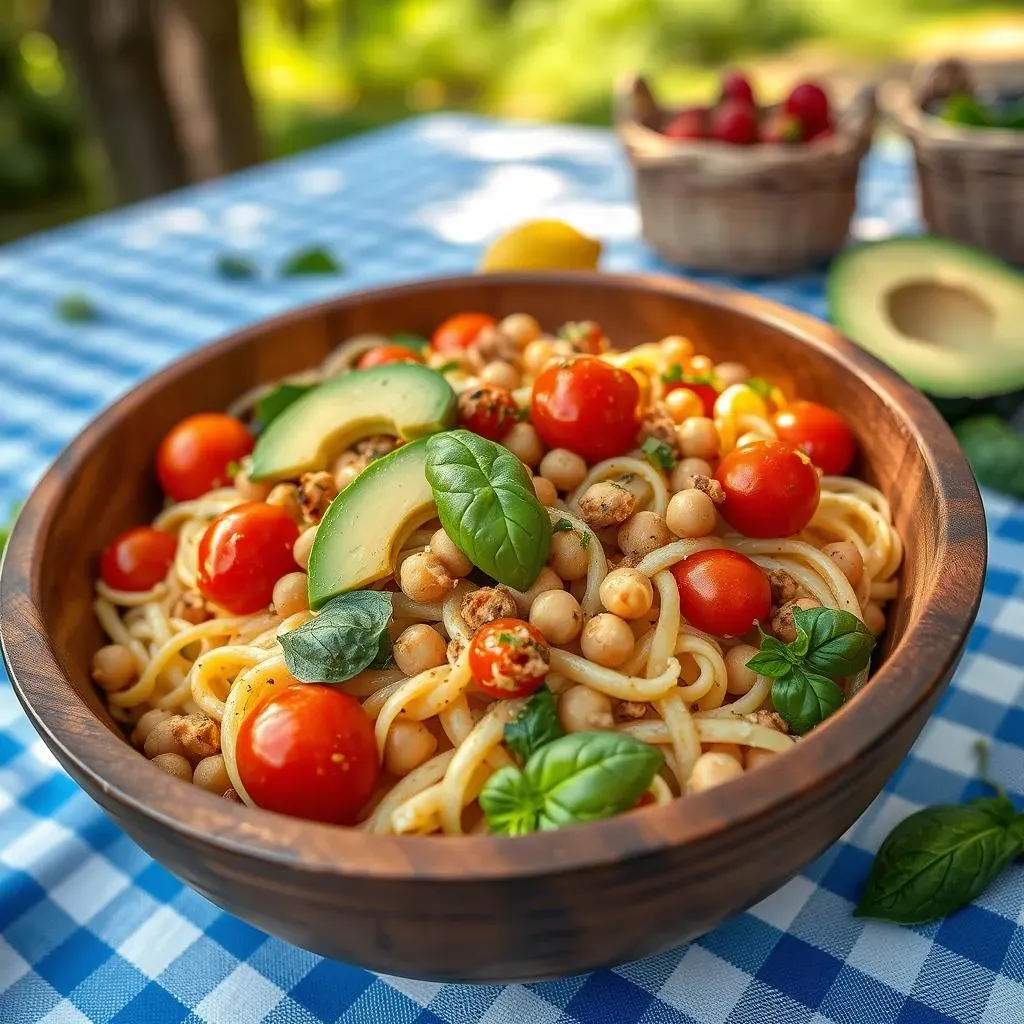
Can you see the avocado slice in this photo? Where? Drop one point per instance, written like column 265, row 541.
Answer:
column 948, row 318
column 406, row 400
column 360, row 535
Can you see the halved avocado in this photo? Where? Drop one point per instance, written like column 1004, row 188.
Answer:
column 362, row 532
column 406, row 400
column 948, row 318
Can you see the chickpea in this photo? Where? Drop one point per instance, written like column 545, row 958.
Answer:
column 738, row 678
column 569, row 558
column 286, row 496
column 536, row 355
column 423, row 577
column 728, row 374
column 607, row 640
column 114, row 668
column 606, row 504
column 418, row 648
column 676, row 349
column 291, row 594
column 782, row 621
column 524, row 443
column 409, row 744
column 683, row 404
column 732, row 749
column 681, row 477
column 546, row 492
column 521, row 328
column 712, row 769
column 145, row 725
column 757, row 756
column 874, row 618
column 303, row 546
column 643, row 533
column 457, row 564
column 698, row 438
column 627, row 593
column 701, row 366
column 547, row 580
column 691, row 513
column 557, row 614
column 846, row 556
column 505, row 375
column 211, row 775
column 346, row 467
column 636, row 485
column 249, row 489
column 565, row 469
column 581, row 709
column 161, row 739
column 174, row 764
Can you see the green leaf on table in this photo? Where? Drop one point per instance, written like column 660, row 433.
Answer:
column 805, row 699
column 235, row 267
column 995, row 452
column 534, row 726
column 314, row 260
column 77, row 308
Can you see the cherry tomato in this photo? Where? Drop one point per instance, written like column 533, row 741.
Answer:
column 587, row 406
column 722, row 592
column 700, row 386
column 137, row 559
column 309, row 751
column 488, row 410
column 771, row 489
column 194, row 456
column 508, row 658
column 819, row 433
column 384, row 354
column 585, row 335
column 459, row 332
column 243, row 553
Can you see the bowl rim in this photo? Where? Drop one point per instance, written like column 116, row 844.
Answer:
column 903, row 683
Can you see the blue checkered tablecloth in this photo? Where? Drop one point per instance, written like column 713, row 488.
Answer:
column 93, row 930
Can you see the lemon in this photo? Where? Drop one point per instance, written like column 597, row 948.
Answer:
column 542, row 245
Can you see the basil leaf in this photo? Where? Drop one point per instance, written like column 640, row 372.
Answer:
column 273, row 403
column 805, row 699
column 509, row 803
column 347, row 636
column 590, row 775
column 77, row 308
column 839, row 644
column 761, row 387
column 939, row 859
column 658, row 454
column 384, row 658
column 487, row 505
column 410, row 341
column 310, row 261
column 536, row 725
column 236, row 268
column 772, row 659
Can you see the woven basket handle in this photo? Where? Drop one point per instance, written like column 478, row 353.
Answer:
column 634, row 103
column 939, row 79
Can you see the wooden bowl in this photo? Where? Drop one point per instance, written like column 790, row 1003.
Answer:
column 482, row 908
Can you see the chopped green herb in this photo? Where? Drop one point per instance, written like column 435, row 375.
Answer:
column 561, row 526
column 658, row 454
column 77, row 308
column 234, row 267
column 507, row 638
column 763, row 387
column 310, row 261
column 674, row 374
column 584, row 539
column 232, row 469
column 449, row 367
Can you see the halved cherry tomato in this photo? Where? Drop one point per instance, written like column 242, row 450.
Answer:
column 459, row 332
column 137, row 559
column 722, row 592
column 587, row 406
column 243, row 553
column 488, row 410
column 820, row 433
column 309, row 751
column 771, row 489
column 702, row 387
column 509, row 658
column 194, row 456
column 384, row 354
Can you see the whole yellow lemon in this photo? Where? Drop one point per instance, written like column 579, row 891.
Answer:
column 542, row 245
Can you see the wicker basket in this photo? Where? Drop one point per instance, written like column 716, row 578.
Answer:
column 971, row 179
column 739, row 209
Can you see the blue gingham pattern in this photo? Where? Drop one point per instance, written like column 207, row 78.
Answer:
column 92, row 930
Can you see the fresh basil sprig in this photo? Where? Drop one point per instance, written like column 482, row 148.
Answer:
column 939, row 859
column 487, row 505
column 274, row 402
column 536, row 725
column 349, row 634
column 658, row 454
column 829, row 643
column 582, row 777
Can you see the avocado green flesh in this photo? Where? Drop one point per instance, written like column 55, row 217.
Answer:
column 948, row 318
column 362, row 532
column 405, row 400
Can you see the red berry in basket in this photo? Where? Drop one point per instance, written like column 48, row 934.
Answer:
column 782, row 129
column 809, row 102
column 735, row 122
column 688, row 124
column 824, row 135
column 736, row 86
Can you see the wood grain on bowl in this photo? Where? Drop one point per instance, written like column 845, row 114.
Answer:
column 480, row 908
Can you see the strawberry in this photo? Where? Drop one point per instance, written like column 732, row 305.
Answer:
column 736, row 86
column 735, row 122
column 691, row 123
column 809, row 103
column 782, row 129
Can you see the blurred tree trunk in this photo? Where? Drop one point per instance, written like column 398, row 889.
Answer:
column 113, row 48
column 295, row 14
column 201, row 45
